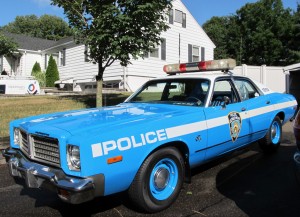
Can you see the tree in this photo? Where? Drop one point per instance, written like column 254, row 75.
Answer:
column 224, row 32
column 7, row 46
column 47, row 27
column 265, row 29
column 36, row 69
column 115, row 29
column 38, row 74
column 52, row 74
column 259, row 33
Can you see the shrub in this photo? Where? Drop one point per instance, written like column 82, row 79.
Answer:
column 36, row 69
column 52, row 74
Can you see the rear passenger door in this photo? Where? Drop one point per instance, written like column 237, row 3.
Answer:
column 258, row 104
column 227, row 126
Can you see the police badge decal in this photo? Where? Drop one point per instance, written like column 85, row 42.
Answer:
column 235, row 125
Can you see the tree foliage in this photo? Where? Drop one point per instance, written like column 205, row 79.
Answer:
column 52, row 73
column 37, row 73
column 259, row 33
column 47, row 27
column 7, row 46
column 36, row 69
column 115, row 29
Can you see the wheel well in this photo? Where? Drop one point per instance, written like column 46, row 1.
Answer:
column 281, row 115
column 184, row 151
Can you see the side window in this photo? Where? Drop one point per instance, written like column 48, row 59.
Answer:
column 223, row 88
column 246, row 89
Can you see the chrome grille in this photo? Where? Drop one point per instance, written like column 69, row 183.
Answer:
column 40, row 148
column 24, row 145
column 45, row 149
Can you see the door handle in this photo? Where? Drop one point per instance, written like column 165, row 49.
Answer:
column 243, row 109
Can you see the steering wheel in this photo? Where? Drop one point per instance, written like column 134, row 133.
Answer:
column 194, row 100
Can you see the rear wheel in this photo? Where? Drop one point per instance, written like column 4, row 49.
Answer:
column 158, row 181
column 272, row 139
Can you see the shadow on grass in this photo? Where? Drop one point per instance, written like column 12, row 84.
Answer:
column 109, row 99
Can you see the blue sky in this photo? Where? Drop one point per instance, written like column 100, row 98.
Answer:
column 202, row 10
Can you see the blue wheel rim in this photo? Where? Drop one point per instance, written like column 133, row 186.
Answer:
column 163, row 179
column 275, row 132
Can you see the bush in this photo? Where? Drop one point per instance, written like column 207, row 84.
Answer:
column 36, row 69
column 52, row 74
column 38, row 74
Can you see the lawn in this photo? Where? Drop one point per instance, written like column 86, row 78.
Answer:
column 12, row 108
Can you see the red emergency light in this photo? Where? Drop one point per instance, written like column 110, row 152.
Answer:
column 211, row 65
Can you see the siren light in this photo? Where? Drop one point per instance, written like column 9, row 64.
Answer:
column 211, row 65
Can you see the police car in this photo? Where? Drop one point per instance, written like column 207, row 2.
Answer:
column 148, row 144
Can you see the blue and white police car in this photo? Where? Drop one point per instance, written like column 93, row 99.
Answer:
column 148, row 144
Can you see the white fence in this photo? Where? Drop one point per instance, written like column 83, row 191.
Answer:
column 271, row 76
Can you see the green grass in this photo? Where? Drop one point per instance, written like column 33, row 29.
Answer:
column 12, row 108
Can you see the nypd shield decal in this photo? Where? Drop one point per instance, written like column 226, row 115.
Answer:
column 235, row 125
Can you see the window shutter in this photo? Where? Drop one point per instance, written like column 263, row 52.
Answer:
column 190, row 53
column 183, row 20
column 86, row 58
column 163, row 49
column 202, row 53
column 64, row 57
column 171, row 16
column 46, row 61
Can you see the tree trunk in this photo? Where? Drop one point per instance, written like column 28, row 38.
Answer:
column 99, row 80
column 99, row 93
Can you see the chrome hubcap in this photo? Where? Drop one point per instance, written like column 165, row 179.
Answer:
column 161, row 178
column 273, row 131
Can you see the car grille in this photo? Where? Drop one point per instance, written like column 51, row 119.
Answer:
column 40, row 148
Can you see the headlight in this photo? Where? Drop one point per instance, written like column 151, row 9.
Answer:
column 17, row 136
column 74, row 157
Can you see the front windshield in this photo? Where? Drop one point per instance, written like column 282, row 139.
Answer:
column 190, row 92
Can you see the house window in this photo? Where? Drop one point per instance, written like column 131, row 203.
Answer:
column 154, row 52
column 195, row 54
column 180, row 17
column 62, row 57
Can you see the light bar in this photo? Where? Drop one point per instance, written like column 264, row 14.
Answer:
column 211, row 65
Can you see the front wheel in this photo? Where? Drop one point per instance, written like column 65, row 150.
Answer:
column 158, row 181
column 272, row 139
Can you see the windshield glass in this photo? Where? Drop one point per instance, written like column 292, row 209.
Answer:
column 191, row 92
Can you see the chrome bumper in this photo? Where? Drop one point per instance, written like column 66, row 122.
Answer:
column 297, row 164
column 69, row 189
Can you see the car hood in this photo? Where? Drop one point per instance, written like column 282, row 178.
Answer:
column 76, row 122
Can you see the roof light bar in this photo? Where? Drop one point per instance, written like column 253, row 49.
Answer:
column 211, row 65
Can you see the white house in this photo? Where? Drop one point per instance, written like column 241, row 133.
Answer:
column 29, row 51
column 184, row 41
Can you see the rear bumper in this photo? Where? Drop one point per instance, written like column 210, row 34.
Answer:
column 69, row 189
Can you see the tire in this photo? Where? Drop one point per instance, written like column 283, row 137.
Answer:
column 159, row 180
column 272, row 140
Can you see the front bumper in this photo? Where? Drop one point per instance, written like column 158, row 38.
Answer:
column 69, row 189
column 297, row 164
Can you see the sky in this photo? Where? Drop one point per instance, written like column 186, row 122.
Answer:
column 202, row 10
